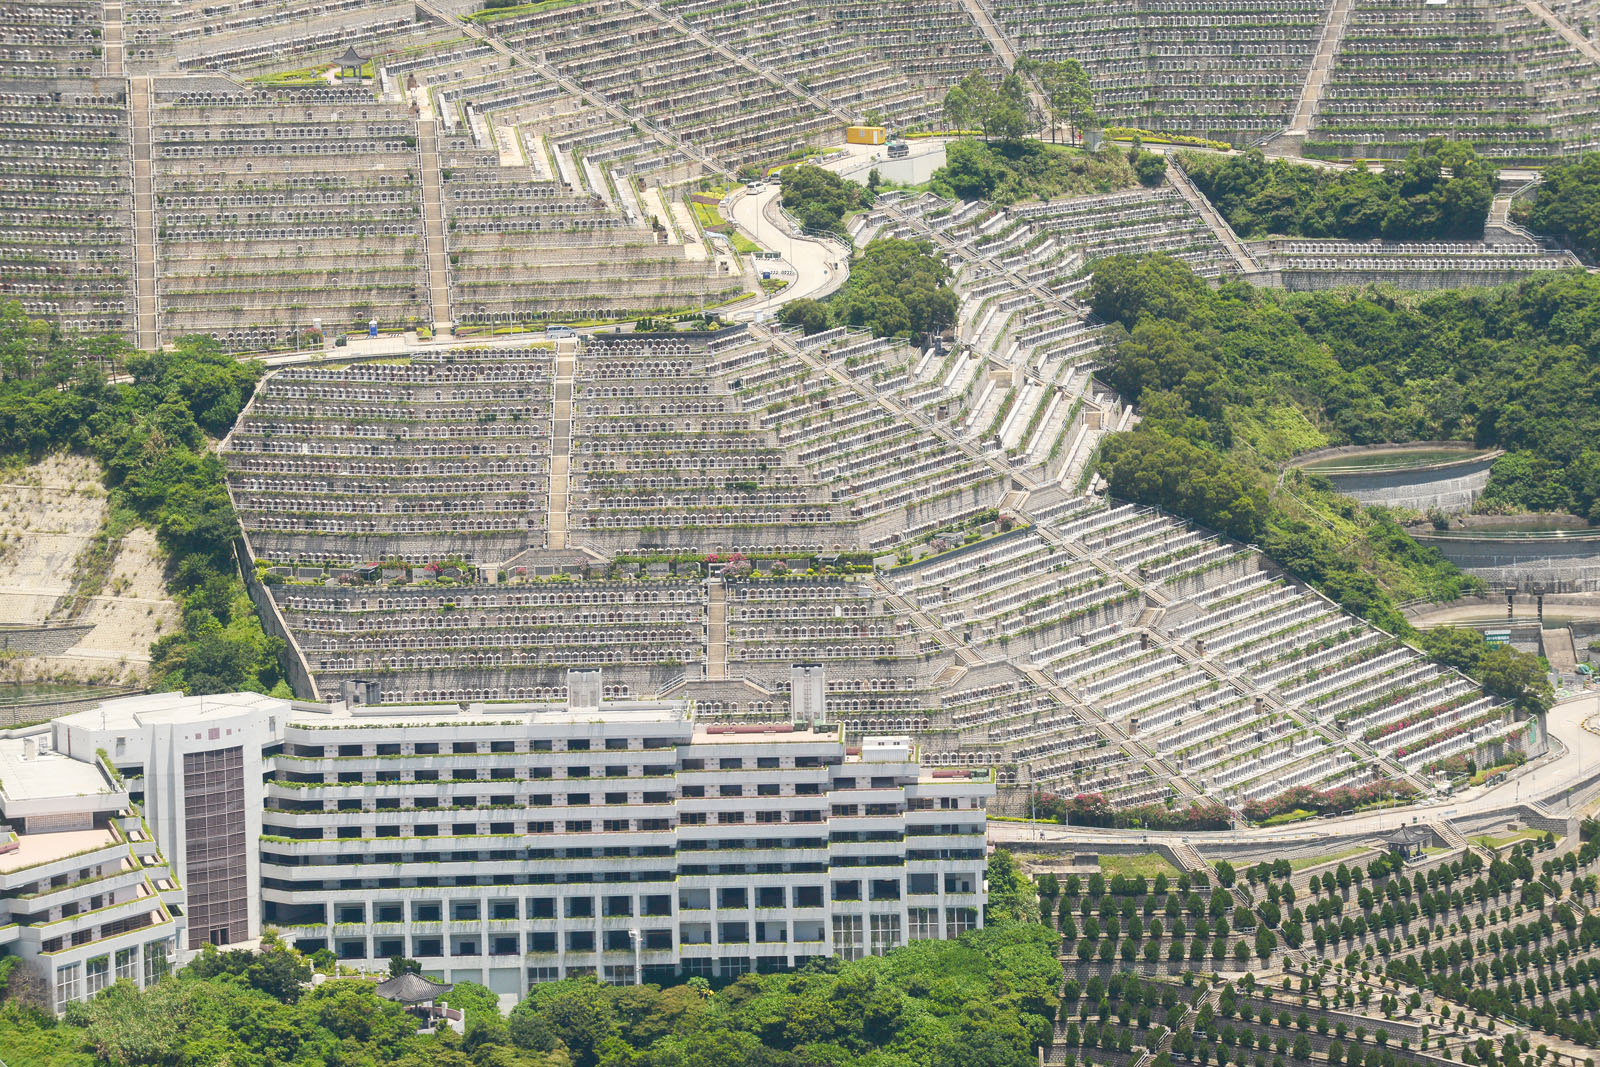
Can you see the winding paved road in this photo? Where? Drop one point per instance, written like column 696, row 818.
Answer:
column 1575, row 759
column 820, row 266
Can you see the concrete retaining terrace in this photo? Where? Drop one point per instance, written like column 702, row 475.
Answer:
column 1449, row 485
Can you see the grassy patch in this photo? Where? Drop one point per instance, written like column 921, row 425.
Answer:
column 1276, row 431
column 1297, row 815
column 1332, row 857
column 1502, row 840
column 1029, row 170
column 491, row 14
column 707, row 215
column 1489, row 772
column 743, row 244
column 94, row 561
column 1150, row 864
column 304, row 76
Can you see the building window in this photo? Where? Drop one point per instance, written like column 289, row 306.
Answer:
column 958, row 921
column 128, row 964
column 885, row 933
column 847, row 936
column 924, row 923
column 67, row 984
column 156, row 960
column 97, row 972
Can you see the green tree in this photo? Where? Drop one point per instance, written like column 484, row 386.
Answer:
column 1442, row 189
column 1566, row 205
column 1011, row 893
column 810, row 315
column 819, row 198
column 473, row 998
column 1517, row 677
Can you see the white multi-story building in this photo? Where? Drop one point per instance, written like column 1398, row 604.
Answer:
column 85, row 896
column 515, row 843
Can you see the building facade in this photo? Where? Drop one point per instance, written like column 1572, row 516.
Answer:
column 510, row 844
column 86, row 897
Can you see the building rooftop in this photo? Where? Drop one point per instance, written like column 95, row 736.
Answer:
column 34, row 849
column 132, row 712
column 411, row 988
column 26, row 773
column 760, row 733
column 611, row 711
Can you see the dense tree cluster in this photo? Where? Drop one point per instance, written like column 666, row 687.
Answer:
column 985, row 1000
column 1171, row 472
column 1067, row 91
column 1005, row 173
column 1001, row 113
column 1504, row 672
column 1566, row 205
column 151, row 434
column 1441, row 190
column 1512, row 367
column 896, row 289
column 819, row 198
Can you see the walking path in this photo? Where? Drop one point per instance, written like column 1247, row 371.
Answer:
column 1321, row 68
column 1570, row 35
column 433, row 219
column 561, row 444
column 716, row 630
column 144, row 214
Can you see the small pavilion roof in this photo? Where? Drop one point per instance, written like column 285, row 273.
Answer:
column 412, row 988
column 1408, row 835
column 352, row 58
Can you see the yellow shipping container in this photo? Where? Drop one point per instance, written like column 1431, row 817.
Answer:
column 865, row 135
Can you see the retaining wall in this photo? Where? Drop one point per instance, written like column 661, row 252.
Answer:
column 1568, row 564
column 42, row 640
column 1449, row 486
column 293, row 660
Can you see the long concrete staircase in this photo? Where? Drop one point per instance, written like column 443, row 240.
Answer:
column 655, row 10
column 560, row 443
column 1188, row 857
column 1218, row 225
column 111, row 51
column 433, row 220
column 716, row 630
column 1570, row 35
column 144, row 214
column 1317, row 77
column 572, row 88
column 1005, row 48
